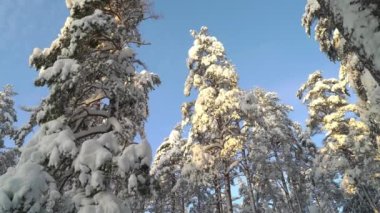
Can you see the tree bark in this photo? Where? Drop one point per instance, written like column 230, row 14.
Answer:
column 183, row 204
column 251, row 195
column 247, row 174
column 173, row 197
column 228, row 192
column 284, row 184
column 217, row 195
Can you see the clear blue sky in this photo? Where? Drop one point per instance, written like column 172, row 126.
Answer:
column 264, row 39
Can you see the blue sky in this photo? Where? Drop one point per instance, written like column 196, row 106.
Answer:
column 264, row 39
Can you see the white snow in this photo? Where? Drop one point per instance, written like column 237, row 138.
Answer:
column 37, row 52
column 126, row 161
column 373, row 93
column 363, row 27
column 144, row 152
column 69, row 3
column 248, row 103
column 62, row 67
column 97, row 178
column 52, row 140
column 193, row 52
column 312, row 6
column 93, row 155
column 102, row 202
column 80, row 3
column 5, row 202
column 134, row 156
column 108, row 203
column 109, row 141
column 54, row 157
column 26, row 185
column 132, row 183
column 126, row 53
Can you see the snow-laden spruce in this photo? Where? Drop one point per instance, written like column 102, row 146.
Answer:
column 83, row 157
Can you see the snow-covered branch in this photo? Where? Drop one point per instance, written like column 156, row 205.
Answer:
column 93, row 131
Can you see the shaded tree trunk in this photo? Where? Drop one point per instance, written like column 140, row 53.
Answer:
column 173, row 197
column 228, row 192
column 183, row 204
column 284, row 185
column 217, row 196
column 247, row 174
column 251, row 195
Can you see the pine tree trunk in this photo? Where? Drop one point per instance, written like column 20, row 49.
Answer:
column 250, row 192
column 173, row 204
column 228, row 193
column 298, row 202
column 251, row 196
column 247, row 173
column 218, row 197
column 296, row 193
column 183, row 204
column 199, row 203
column 284, row 184
column 173, row 197
column 369, row 200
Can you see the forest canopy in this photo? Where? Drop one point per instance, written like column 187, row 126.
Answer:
column 85, row 146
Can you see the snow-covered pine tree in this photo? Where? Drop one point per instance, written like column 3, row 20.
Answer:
column 214, row 121
column 170, row 195
column 178, row 189
column 8, row 156
column 349, row 32
column 276, row 158
column 83, row 157
column 348, row 149
column 224, row 134
column 357, row 21
column 7, row 114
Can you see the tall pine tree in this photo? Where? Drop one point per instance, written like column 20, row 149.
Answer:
column 84, row 157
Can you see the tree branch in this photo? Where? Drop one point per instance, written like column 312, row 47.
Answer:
column 94, row 130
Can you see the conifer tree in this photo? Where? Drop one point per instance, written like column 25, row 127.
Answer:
column 234, row 133
column 166, row 169
column 8, row 155
column 84, row 157
column 276, row 157
column 356, row 21
column 7, row 114
column 348, row 32
column 213, row 117
column 348, row 148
